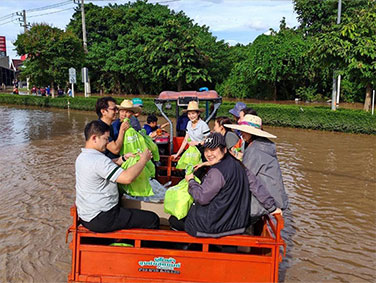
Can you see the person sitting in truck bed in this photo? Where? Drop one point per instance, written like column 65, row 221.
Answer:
column 196, row 131
column 260, row 158
column 222, row 202
column 97, row 195
column 151, row 126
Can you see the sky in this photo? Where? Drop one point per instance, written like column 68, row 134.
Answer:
column 234, row 21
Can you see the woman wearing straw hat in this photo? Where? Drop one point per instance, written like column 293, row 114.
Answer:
column 126, row 110
column 197, row 129
column 260, row 157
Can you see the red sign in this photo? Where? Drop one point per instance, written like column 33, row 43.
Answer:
column 2, row 44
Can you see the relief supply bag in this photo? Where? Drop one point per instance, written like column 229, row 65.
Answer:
column 140, row 186
column 191, row 157
column 134, row 143
column 177, row 200
column 152, row 146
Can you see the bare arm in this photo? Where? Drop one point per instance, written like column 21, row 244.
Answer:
column 206, row 163
column 115, row 146
column 185, row 141
column 164, row 125
column 128, row 175
column 120, row 160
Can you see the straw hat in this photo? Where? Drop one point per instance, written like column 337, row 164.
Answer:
column 128, row 105
column 193, row 106
column 251, row 124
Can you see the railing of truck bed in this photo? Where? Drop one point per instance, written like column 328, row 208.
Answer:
column 141, row 255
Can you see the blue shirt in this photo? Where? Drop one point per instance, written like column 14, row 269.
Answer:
column 111, row 138
column 181, row 124
column 115, row 128
column 149, row 129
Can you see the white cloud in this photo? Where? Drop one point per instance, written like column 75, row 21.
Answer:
column 231, row 20
column 232, row 42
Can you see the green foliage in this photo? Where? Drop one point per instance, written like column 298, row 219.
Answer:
column 308, row 94
column 309, row 117
column 51, row 52
column 316, row 15
column 306, row 117
column 140, row 47
column 146, row 48
column 351, row 46
column 274, row 67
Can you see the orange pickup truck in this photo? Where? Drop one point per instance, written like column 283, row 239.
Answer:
column 140, row 255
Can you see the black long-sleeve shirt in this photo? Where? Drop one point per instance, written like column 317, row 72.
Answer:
column 214, row 181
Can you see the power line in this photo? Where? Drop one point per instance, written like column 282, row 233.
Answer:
column 12, row 21
column 60, row 4
column 49, row 7
column 50, row 13
column 7, row 16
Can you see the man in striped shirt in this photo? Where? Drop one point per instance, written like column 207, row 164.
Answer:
column 97, row 196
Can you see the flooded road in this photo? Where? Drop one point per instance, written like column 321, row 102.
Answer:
column 330, row 226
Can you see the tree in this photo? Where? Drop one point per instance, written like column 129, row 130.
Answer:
column 316, row 15
column 275, row 67
column 351, row 47
column 51, row 52
column 145, row 48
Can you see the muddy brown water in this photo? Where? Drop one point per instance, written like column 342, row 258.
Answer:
column 330, row 178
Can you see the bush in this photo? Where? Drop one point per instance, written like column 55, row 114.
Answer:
column 306, row 117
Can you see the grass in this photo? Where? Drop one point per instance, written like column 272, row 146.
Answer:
column 306, row 117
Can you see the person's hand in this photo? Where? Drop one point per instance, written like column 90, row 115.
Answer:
column 188, row 177
column 153, row 134
column 124, row 126
column 278, row 210
column 196, row 167
column 146, row 155
column 128, row 155
column 174, row 156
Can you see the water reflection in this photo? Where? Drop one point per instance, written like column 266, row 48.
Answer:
column 330, row 179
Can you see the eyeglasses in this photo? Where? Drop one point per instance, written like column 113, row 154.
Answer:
column 114, row 108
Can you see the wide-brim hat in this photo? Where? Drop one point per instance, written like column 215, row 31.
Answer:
column 128, row 105
column 239, row 106
column 193, row 106
column 251, row 124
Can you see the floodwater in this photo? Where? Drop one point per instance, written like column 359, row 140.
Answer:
column 330, row 178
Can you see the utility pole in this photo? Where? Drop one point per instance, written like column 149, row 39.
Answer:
column 83, row 26
column 84, row 39
column 339, row 76
column 336, row 92
column 22, row 20
column 25, row 25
